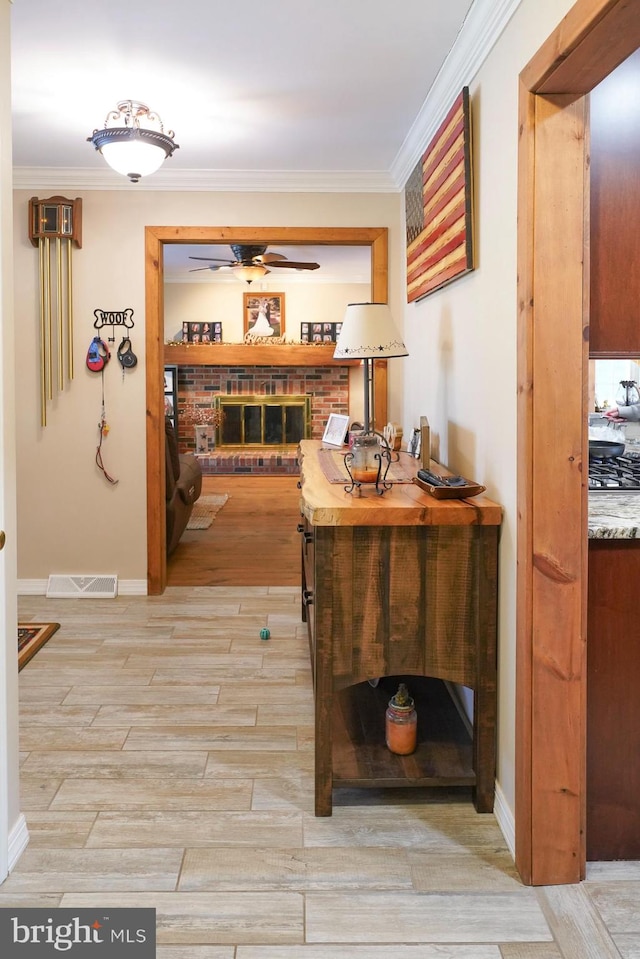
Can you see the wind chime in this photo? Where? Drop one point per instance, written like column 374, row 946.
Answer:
column 54, row 225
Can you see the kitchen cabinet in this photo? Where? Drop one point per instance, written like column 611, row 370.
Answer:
column 614, row 312
column 398, row 587
column 613, row 701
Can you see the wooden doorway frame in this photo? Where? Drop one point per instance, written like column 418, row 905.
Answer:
column 553, row 330
column 376, row 238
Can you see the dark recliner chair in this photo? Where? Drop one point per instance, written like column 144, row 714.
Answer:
column 184, row 485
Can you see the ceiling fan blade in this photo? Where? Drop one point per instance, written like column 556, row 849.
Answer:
column 270, row 257
column 294, row 265
column 213, row 259
column 199, row 269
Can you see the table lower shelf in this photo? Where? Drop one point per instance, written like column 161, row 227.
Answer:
column 444, row 754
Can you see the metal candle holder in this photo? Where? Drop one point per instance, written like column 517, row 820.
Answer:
column 382, row 456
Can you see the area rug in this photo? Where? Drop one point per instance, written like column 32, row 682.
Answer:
column 205, row 509
column 31, row 638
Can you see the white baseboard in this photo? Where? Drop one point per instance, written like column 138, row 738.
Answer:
column 18, row 841
column 505, row 819
column 38, row 587
column 501, row 809
column 132, row 587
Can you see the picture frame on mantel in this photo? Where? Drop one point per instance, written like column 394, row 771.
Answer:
column 438, row 199
column 264, row 314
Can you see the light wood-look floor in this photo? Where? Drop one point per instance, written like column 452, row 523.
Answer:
column 252, row 541
column 167, row 762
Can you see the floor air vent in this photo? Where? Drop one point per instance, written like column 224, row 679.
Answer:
column 77, row 587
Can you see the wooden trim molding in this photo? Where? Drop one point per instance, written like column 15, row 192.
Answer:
column 594, row 37
column 248, row 354
column 155, row 239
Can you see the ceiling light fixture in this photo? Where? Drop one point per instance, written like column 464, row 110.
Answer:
column 127, row 147
column 249, row 273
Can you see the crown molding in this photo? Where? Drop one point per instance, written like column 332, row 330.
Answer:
column 479, row 33
column 228, row 181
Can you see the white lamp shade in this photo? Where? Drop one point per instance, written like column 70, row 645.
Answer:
column 368, row 332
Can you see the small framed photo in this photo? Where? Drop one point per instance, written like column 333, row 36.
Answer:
column 319, row 332
column 335, row 432
column 264, row 314
column 200, row 332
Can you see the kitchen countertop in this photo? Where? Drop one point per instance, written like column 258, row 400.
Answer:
column 614, row 515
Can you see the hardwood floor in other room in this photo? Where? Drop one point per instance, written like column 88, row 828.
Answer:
column 252, row 541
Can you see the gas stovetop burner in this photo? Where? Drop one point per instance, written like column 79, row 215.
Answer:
column 617, row 474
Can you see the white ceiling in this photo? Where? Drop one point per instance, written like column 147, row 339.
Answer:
column 287, row 85
column 291, row 91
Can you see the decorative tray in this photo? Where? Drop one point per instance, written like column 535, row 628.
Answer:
column 447, row 487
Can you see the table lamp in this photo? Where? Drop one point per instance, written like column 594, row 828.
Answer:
column 369, row 333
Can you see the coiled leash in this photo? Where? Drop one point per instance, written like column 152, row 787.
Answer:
column 126, row 357
column 97, row 358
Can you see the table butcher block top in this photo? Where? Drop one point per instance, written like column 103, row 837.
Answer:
column 326, row 503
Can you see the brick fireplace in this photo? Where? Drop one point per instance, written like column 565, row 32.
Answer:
column 327, row 387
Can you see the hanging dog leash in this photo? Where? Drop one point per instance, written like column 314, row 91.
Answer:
column 97, row 358
column 126, row 357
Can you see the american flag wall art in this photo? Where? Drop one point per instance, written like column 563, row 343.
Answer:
column 438, row 206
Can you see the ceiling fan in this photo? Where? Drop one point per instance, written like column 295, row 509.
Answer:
column 251, row 262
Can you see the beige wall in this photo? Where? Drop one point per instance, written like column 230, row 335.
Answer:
column 304, row 301
column 70, row 520
column 461, row 371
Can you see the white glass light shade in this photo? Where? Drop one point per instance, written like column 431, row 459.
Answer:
column 133, row 158
column 368, row 331
column 249, row 273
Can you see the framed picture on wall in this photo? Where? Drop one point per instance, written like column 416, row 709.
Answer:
column 264, row 314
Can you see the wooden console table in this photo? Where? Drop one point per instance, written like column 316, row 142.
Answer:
column 393, row 586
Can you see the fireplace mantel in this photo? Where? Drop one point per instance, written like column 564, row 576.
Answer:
column 252, row 354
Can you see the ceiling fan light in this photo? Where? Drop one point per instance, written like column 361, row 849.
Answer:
column 249, row 273
column 132, row 150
